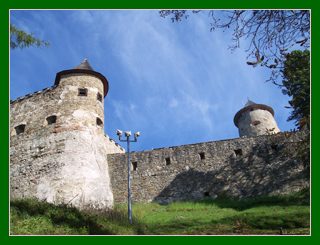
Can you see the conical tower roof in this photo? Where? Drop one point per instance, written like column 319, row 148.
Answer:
column 248, row 106
column 84, row 67
column 249, row 103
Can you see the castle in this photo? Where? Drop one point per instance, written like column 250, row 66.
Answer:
column 59, row 153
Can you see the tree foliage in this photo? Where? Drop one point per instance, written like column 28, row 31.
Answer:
column 270, row 32
column 296, row 83
column 20, row 39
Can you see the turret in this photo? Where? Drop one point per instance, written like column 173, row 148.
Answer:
column 83, row 95
column 255, row 119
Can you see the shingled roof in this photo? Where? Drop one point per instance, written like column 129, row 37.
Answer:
column 84, row 65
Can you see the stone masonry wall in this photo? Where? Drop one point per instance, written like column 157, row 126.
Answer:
column 266, row 121
column 61, row 160
column 59, row 153
column 65, row 167
column 242, row 168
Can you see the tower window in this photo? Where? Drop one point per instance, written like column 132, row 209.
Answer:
column 255, row 123
column 238, row 152
column 206, row 194
column 134, row 166
column 274, row 147
column 99, row 97
column 51, row 119
column 20, row 129
column 168, row 162
column 99, row 122
column 202, row 156
column 83, row 92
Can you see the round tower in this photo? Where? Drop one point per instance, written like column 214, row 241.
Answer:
column 82, row 98
column 255, row 119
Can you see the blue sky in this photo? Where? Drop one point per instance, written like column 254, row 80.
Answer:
column 176, row 83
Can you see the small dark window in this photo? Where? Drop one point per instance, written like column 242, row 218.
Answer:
column 206, row 194
column 202, row 156
column 99, row 97
column 255, row 122
column 168, row 162
column 238, row 152
column 274, row 147
column 99, row 121
column 134, row 166
column 20, row 129
column 83, row 92
column 51, row 119
column 251, row 109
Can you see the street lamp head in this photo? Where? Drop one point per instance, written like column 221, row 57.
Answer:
column 137, row 134
column 128, row 133
column 119, row 132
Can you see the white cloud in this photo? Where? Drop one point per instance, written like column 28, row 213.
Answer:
column 173, row 103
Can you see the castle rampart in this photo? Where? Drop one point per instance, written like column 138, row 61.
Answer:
column 242, row 168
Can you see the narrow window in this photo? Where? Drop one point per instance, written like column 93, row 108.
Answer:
column 202, row 156
column 255, row 123
column 83, row 92
column 206, row 194
column 274, row 147
column 20, row 129
column 168, row 162
column 51, row 119
column 99, row 122
column 134, row 166
column 238, row 152
column 99, row 97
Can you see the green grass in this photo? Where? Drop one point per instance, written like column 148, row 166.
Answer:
column 222, row 216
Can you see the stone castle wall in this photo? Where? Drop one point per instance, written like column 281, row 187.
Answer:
column 65, row 167
column 57, row 150
column 59, row 153
column 242, row 168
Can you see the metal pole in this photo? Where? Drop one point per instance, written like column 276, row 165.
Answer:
column 128, row 134
column 129, row 189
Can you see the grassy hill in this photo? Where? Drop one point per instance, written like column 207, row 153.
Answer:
column 222, row 216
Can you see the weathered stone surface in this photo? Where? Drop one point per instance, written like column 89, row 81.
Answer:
column 65, row 167
column 265, row 119
column 243, row 168
column 58, row 149
column 255, row 119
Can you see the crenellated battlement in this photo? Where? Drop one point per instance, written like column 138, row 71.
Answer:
column 27, row 96
column 112, row 146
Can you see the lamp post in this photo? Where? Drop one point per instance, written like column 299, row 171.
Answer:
column 136, row 135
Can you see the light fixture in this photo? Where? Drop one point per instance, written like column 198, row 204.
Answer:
column 119, row 133
column 136, row 135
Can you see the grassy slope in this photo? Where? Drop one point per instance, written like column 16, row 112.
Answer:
column 208, row 217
